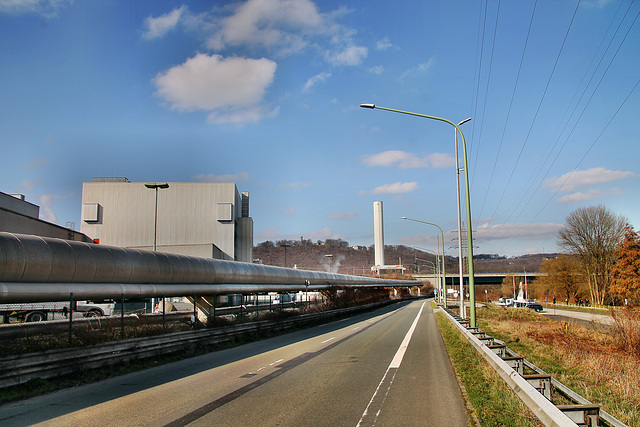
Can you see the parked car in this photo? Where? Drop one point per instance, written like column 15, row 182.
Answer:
column 534, row 306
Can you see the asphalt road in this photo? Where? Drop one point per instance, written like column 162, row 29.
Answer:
column 386, row 368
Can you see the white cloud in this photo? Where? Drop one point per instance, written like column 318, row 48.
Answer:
column 384, row 44
column 318, row 78
column 378, row 69
column 397, row 188
column 589, row 195
column 404, row 160
column 520, row 230
column 279, row 24
column 342, row 215
column 350, row 55
column 158, row 27
column 238, row 177
column 576, row 179
column 419, row 69
column 46, row 8
column 231, row 88
column 290, row 211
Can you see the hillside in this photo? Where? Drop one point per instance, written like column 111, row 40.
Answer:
column 347, row 260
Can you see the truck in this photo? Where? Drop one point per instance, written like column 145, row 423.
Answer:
column 41, row 311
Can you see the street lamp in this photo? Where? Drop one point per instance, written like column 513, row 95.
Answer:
column 444, row 269
column 441, row 287
column 462, row 306
column 436, row 271
column 472, row 291
column 285, row 246
column 155, row 186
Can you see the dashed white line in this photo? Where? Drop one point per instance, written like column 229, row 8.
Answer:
column 332, row 338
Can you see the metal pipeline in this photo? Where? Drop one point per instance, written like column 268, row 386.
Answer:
column 34, row 268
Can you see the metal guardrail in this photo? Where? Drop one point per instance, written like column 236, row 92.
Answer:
column 511, row 369
column 18, row 369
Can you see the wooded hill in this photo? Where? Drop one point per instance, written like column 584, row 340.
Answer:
column 344, row 259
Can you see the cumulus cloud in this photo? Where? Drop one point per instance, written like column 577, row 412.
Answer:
column 277, row 24
column 396, row 188
column 404, row 160
column 46, row 8
column 230, row 88
column 158, row 27
column 46, row 206
column 318, row 78
column 238, row 177
column 577, row 179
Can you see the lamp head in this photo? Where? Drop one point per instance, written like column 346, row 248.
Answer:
column 372, row 106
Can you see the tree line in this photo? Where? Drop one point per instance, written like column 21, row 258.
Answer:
column 600, row 260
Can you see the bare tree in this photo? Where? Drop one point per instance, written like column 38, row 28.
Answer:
column 592, row 235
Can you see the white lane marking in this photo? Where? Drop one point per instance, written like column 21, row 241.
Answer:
column 395, row 364
column 264, row 367
column 332, row 338
column 356, row 328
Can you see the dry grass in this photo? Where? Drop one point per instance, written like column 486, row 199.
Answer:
column 604, row 368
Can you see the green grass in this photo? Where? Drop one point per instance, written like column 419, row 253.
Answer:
column 494, row 402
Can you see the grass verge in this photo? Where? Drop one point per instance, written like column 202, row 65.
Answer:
column 591, row 363
column 493, row 401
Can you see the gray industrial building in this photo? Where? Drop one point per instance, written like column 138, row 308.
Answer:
column 22, row 217
column 204, row 219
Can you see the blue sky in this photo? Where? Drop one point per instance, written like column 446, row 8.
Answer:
column 266, row 93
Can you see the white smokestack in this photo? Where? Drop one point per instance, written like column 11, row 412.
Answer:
column 378, row 233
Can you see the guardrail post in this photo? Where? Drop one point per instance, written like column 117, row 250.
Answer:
column 163, row 310
column 70, row 317
column 122, row 315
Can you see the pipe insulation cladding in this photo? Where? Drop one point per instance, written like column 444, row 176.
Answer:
column 36, row 268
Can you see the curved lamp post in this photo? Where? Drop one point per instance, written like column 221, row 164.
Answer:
column 436, row 270
column 472, row 291
column 441, row 287
column 444, row 270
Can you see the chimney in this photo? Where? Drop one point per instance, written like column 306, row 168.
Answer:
column 378, row 233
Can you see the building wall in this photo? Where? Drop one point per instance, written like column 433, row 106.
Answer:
column 19, row 216
column 196, row 219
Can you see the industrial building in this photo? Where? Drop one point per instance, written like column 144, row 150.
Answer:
column 204, row 219
column 22, row 217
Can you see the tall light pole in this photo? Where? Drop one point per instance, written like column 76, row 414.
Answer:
column 437, row 264
column 285, row 246
column 155, row 186
column 472, row 290
column 444, row 269
column 462, row 306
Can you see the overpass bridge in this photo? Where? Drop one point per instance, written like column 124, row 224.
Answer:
column 453, row 279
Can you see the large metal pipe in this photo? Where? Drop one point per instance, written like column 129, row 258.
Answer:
column 34, row 268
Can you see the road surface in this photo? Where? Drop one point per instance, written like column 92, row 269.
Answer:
column 386, row 368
